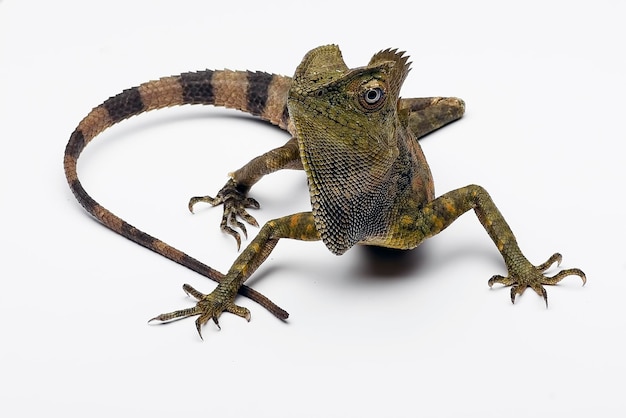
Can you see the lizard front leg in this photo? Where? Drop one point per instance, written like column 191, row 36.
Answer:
column 234, row 193
column 430, row 113
column 299, row 226
column 441, row 212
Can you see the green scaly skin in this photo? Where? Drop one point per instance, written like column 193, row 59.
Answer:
column 368, row 178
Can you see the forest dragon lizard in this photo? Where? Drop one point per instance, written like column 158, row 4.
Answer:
column 355, row 139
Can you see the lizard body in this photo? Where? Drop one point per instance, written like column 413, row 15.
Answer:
column 356, row 140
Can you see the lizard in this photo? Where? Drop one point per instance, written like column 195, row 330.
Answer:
column 356, row 140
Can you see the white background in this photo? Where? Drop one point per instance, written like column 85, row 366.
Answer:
column 417, row 335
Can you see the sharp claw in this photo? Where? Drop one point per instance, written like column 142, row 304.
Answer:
column 571, row 272
column 199, row 328
column 191, row 202
column 238, row 239
column 494, row 279
column 230, row 231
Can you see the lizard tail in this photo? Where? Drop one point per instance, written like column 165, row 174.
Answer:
column 257, row 93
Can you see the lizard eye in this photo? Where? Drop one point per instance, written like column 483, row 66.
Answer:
column 372, row 98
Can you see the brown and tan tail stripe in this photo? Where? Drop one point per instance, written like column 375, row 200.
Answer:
column 257, row 93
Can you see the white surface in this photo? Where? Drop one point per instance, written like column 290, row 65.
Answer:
column 421, row 336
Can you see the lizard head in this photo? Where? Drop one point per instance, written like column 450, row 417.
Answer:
column 346, row 122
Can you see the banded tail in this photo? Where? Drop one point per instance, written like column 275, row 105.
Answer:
column 258, row 93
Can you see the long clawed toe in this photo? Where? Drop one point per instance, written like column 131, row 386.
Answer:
column 235, row 204
column 532, row 276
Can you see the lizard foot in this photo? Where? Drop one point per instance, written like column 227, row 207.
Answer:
column 527, row 275
column 208, row 307
column 235, row 204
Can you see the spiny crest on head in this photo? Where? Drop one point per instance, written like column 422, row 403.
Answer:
column 400, row 69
